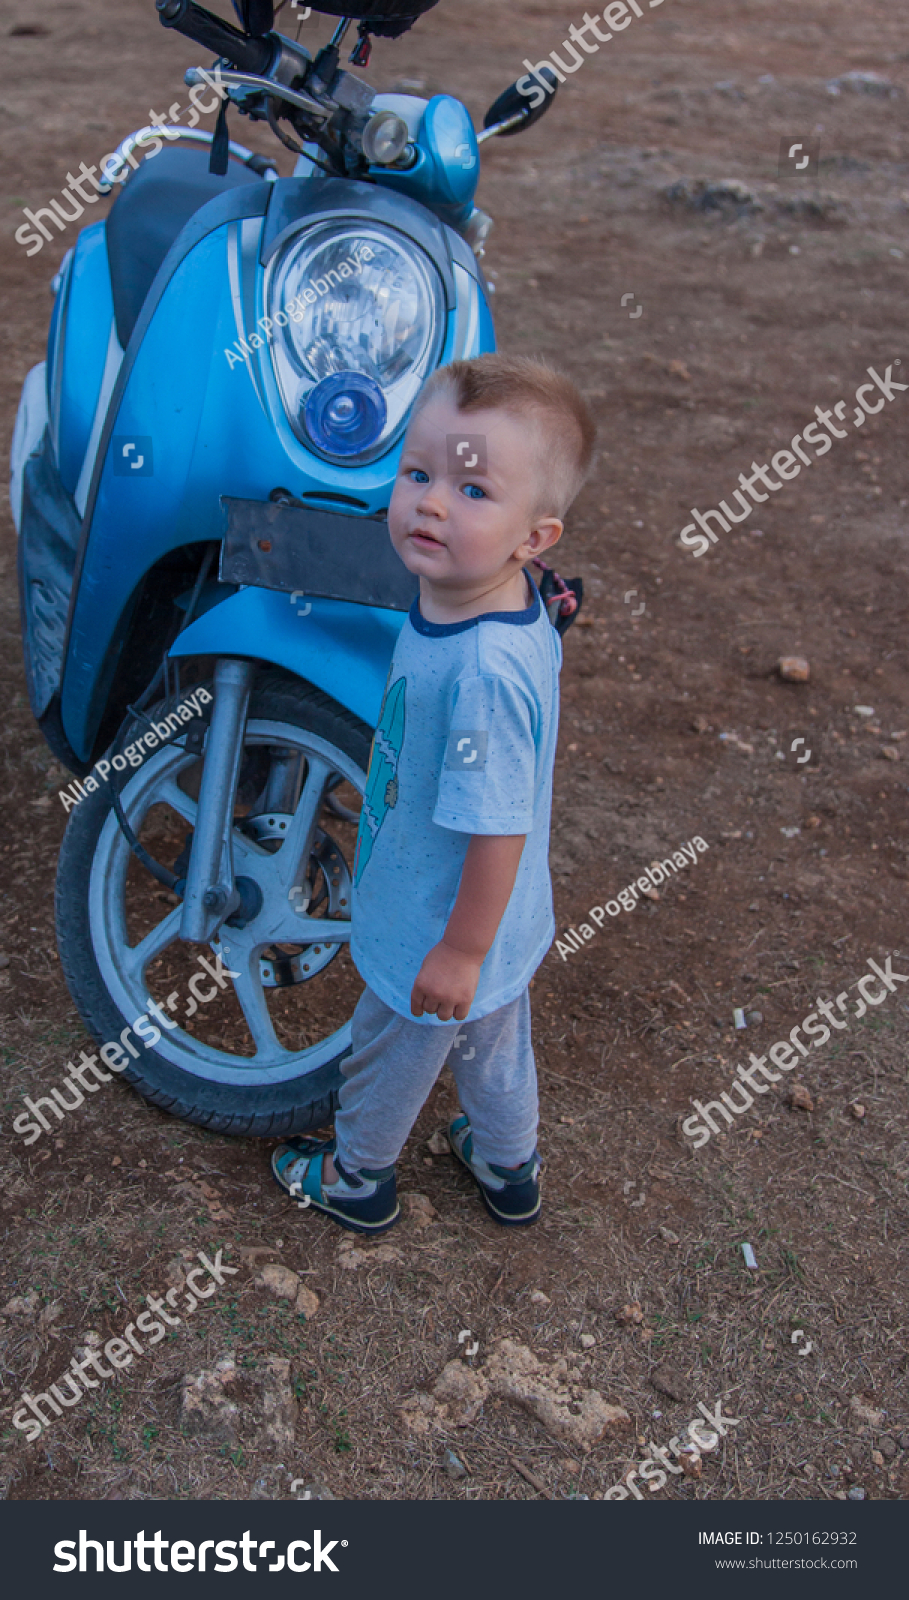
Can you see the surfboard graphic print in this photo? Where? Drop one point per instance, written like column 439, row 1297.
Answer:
column 382, row 778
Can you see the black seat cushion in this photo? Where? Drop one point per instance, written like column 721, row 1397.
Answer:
column 155, row 203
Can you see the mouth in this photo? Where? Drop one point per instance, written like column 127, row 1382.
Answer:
column 425, row 541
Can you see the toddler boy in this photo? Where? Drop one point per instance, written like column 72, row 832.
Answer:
column 452, row 909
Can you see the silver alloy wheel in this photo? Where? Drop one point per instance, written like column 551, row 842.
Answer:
column 123, row 966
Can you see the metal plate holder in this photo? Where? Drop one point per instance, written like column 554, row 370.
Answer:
column 324, row 554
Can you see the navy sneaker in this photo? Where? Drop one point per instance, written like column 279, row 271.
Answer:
column 363, row 1202
column 510, row 1195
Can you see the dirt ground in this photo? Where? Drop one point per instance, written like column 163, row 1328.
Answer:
column 760, row 299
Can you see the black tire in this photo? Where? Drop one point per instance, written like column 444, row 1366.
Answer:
column 294, row 1105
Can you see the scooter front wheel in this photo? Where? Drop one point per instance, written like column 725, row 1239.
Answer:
column 245, row 1036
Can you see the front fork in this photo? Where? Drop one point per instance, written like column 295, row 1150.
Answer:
column 211, row 893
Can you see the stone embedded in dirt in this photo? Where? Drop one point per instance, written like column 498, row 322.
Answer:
column 793, row 669
column 438, row 1143
column 728, row 196
column 877, row 1458
column 668, row 1236
column 286, row 1284
column 670, row 1382
column 700, row 725
column 856, row 82
column 630, row 1313
column 382, row 1254
column 418, row 1210
column 4, row 961
column 889, row 752
column 454, row 1467
column 538, row 1298
column 887, row 1446
column 220, row 1403
column 865, row 1413
column 800, row 1098
column 858, row 1110
column 576, row 1416
column 856, row 1493
column 206, row 1408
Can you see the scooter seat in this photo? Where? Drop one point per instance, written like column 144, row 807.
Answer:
column 154, row 205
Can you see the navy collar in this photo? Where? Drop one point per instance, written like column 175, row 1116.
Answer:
column 441, row 630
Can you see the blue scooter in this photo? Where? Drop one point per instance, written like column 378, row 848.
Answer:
column 200, row 476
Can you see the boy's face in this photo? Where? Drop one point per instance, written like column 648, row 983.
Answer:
column 458, row 526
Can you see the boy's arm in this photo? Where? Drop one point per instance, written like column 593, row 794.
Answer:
column 447, row 980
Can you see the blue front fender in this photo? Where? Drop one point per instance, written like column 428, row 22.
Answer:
column 343, row 649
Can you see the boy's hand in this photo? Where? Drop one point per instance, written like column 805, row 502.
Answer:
column 446, row 984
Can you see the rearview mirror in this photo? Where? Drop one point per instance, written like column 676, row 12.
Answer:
column 516, row 110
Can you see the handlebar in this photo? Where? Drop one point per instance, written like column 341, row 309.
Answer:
column 250, row 55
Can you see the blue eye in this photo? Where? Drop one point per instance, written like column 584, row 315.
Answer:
column 418, row 475
column 474, row 492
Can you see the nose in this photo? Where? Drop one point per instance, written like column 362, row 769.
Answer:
column 433, row 501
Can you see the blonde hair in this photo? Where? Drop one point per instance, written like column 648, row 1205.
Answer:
column 545, row 397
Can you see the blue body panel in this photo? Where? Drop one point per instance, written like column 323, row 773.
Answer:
column 343, row 649
column 77, row 358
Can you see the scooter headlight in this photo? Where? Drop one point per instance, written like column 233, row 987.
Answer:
column 358, row 320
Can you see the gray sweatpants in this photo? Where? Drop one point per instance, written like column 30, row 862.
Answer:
column 396, row 1061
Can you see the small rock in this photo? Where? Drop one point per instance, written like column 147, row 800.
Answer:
column 800, row 1098
column 887, row 1446
column 691, row 1461
column 668, row 1235
column 454, row 1468
column 904, row 1441
column 4, row 961
column 793, row 669
column 755, row 1016
column 700, row 725
column 670, row 1382
column 538, row 1298
column 419, row 1210
column 890, row 752
column 855, row 1493
column 864, row 1412
column 306, row 1303
column 877, row 1458
column 386, row 1254
column 630, row 1313
column 863, row 711
column 858, row 1110
column 587, row 1341
column 438, row 1144
column 280, row 1281
column 22, row 1305
column 864, row 83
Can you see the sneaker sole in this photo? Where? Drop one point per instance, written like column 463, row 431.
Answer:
column 502, row 1218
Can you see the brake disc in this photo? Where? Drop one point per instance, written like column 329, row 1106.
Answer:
column 326, row 889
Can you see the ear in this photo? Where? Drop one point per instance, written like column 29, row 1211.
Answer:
column 542, row 536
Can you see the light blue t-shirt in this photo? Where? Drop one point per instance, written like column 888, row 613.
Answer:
column 465, row 744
